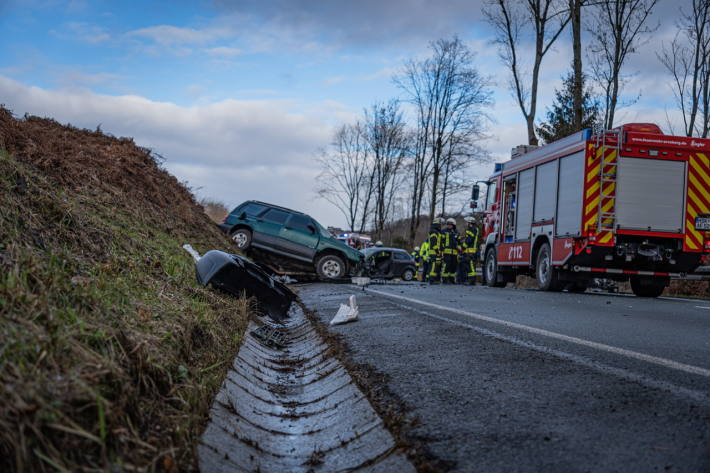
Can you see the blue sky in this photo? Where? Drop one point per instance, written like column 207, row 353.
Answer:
column 239, row 95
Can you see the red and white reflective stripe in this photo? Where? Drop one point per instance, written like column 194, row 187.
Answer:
column 587, row 269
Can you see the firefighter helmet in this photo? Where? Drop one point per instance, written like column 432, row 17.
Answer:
column 451, row 221
column 416, row 248
column 469, row 219
column 378, row 243
column 436, row 221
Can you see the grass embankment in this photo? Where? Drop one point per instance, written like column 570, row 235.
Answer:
column 110, row 353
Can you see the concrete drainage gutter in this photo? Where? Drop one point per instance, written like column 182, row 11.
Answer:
column 294, row 410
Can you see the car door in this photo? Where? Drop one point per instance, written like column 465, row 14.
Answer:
column 300, row 237
column 381, row 263
column 401, row 261
column 267, row 230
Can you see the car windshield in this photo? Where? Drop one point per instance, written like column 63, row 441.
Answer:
column 325, row 233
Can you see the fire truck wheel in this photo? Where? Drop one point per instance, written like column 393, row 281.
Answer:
column 647, row 287
column 490, row 270
column 547, row 278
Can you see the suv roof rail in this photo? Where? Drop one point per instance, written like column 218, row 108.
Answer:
column 276, row 206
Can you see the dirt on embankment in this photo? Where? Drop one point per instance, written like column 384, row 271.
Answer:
column 110, row 353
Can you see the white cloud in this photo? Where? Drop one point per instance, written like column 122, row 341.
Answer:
column 169, row 35
column 223, row 51
column 85, row 32
column 330, row 81
column 231, row 150
column 365, row 22
column 384, row 73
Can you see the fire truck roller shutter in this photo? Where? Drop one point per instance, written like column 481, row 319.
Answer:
column 545, row 191
column 650, row 193
column 569, row 204
column 526, row 188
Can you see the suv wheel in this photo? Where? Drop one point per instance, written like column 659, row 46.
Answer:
column 330, row 267
column 242, row 238
column 408, row 275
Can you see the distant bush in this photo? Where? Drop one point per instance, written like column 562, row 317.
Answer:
column 214, row 209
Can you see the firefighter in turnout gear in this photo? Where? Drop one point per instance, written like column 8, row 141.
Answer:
column 469, row 250
column 450, row 251
column 434, row 252
column 417, row 257
column 424, row 255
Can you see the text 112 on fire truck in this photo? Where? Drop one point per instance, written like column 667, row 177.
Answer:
column 626, row 204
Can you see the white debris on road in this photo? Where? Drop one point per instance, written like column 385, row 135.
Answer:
column 346, row 313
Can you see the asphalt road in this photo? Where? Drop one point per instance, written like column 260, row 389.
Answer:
column 514, row 380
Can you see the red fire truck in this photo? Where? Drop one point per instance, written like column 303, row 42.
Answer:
column 626, row 204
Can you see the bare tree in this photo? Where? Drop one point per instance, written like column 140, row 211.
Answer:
column 617, row 29
column 687, row 59
column 510, row 19
column 387, row 142
column 449, row 96
column 463, row 149
column 575, row 9
column 345, row 173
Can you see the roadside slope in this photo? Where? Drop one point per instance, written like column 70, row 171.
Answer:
column 110, row 353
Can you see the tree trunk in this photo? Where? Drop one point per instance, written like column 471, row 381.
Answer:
column 575, row 7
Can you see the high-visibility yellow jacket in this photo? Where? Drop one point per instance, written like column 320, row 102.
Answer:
column 424, row 250
column 450, row 242
column 469, row 242
column 434, row 244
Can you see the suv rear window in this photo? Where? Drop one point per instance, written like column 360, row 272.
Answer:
column 275, row 216
column 252, row 209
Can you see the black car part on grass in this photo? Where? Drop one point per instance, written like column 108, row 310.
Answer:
column 236, row 275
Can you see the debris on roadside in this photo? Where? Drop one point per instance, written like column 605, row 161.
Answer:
column 269, row 336
column 195, row 255
column 363, row 282
column 285, row 279
column 360, row 281
column 237, row 275
column 346, row 313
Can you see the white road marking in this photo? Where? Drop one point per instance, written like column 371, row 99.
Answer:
column 697, row 396
column 379, row 316
column 683, row 299
column 558, row 336
column 701, row 307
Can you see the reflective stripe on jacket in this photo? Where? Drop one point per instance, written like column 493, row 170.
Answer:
column 434, row 241
column 470, row 241
column 450, row 242
column 424, row 250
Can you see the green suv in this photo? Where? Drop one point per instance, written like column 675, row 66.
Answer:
column 293, row 235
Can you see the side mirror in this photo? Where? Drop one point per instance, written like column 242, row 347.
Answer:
column 243, row 216
column 475, row 192
column 311, row 228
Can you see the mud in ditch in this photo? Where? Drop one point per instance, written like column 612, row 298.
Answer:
column 308, row 417
column 392, row 410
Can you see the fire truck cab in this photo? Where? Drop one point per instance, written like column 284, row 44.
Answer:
column 626, row 204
